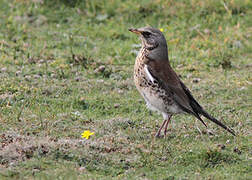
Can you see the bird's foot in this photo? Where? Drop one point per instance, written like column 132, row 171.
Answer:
column 165, row 132
column 158, row 135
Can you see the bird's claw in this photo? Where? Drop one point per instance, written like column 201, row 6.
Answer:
column 158, row 135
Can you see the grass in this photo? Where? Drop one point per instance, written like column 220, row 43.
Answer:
column 66, row 66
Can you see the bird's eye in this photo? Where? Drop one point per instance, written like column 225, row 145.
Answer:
column 146, row 34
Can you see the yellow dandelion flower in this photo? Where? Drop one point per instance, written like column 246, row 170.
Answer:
column 86, row 134
column 161, row 29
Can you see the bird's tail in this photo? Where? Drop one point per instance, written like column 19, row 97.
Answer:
column 211, row 118
column 197, row 110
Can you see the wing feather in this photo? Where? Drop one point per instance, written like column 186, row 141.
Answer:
column 162, row 72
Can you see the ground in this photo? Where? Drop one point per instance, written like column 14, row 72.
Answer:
column 67, row 66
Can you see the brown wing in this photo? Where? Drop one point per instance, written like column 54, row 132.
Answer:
column 168, row 79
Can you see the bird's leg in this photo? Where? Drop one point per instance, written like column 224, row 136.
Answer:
column 166, row 124
column 159, row 131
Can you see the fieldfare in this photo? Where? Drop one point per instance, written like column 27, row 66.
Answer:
column 159, row 84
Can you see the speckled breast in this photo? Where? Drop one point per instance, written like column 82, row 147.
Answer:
column 155, row 96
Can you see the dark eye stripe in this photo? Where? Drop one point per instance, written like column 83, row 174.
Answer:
column 146, row 34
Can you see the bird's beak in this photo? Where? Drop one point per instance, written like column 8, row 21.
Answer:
column 135, row 30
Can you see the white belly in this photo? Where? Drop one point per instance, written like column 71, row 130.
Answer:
column 155, row 103
column 152, row 101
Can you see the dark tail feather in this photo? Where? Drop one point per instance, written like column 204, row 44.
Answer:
column 199, row 118
column 199, row 110
column 208, row 116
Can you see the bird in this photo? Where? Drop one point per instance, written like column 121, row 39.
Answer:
column 158, row 83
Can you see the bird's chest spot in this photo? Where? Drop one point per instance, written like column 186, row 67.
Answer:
column 155, row 96
column 139, row 74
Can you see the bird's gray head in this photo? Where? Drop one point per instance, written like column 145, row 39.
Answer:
column 153, row 40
